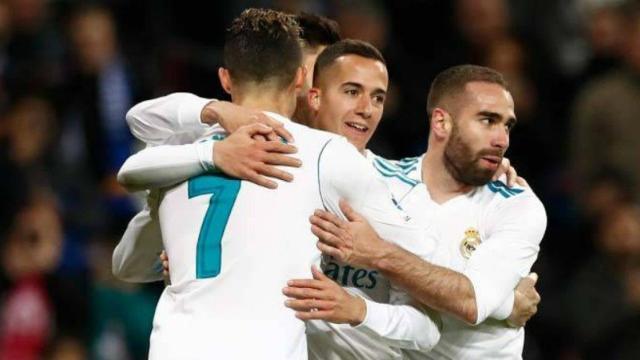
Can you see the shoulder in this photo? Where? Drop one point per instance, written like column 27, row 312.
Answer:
column 511, row 201
column 310, row 135
column 393, row 169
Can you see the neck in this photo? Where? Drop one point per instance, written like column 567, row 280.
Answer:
column 441, row 184
column 279, row 102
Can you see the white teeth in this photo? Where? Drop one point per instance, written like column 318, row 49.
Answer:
column 358, row 126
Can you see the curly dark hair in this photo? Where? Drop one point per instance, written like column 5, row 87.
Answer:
column 263, row 45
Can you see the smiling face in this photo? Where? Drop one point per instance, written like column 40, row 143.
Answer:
column 350, row 98
column 481, row 122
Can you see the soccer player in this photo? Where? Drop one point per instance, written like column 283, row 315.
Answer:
column 135, row 257
column 492, row 232
column 233, row 243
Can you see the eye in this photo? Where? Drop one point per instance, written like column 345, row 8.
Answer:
column 352, row 92
column 379, row 99
column 487, row 121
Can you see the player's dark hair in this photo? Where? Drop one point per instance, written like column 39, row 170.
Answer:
column 263, row 45
column 342, row 48
column 453, row 80
column 318, row 30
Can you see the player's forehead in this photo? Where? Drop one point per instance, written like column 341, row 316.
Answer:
column 488, row 97
column 351, row 68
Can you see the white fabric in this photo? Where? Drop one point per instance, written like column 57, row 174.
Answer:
column 511, row 224
column 412, row 328
column 254, row 238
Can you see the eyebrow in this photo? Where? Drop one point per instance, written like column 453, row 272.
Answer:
column 377, row 91
column 494, row 115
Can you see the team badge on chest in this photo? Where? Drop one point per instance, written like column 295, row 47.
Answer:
column 470, row 242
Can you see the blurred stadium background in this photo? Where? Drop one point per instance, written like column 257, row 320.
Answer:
column 69, row 70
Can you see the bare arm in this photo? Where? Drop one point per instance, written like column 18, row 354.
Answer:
column 437, row 287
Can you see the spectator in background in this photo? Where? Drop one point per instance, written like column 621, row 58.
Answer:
column 602, row 304
column 33, row 54
column 605, row 126
column 31, row 251
column 605, row 33
column 26, row 135
column 95, row 140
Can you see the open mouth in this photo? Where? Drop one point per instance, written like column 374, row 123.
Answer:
column 358, row 127
column 492, row 159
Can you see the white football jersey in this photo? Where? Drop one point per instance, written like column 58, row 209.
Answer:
column 233, row 245
column 492, row 236
column 175, row 119
column 328, row 341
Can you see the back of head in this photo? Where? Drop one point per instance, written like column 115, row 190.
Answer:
column 451, row 82
column 317, row 30
column 263, row 47
column 342, row 48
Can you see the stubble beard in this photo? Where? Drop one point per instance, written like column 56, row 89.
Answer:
column 462, row 164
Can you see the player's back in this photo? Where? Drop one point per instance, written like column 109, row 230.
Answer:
column 233, row 245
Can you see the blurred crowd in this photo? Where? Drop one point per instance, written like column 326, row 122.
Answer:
column 69, row 71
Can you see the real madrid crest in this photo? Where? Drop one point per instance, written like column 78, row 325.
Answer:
column 470, row 242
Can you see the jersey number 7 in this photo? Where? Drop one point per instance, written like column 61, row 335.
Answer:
column 224, row 192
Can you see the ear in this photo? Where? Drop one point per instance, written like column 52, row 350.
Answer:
column 225, row 80
column 301, row 77
column 440, row 123
column 313, row 98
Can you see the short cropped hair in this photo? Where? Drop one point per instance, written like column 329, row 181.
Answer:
column 342, row 48
column 263, row 45
column 318, row 30
column 453, row 80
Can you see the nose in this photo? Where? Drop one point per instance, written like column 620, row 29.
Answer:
column 501, row 138
column 365, row 107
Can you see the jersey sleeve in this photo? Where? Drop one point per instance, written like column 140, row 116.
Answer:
column 402, row 323
column 343, row 173
column 171, row 119
column 514, row 231
column 135, row 258
column 165, row 165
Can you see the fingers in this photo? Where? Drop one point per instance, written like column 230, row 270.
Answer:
column 512, row 175
column 305, row 293
column 318, row 274
column 282, row 132
column 258, row 137
column 309, row 304
column 528, row 281
column 331, row 251
column 348, row 211
column 255, row 129
column 306, row 283
column 274, row 172
column 323, row 217
column 327, row 227
column 315, row 315
column 278, row 128
column 284, row 160
column 260, row 180
column 325, row 237
column 279, row 147
column 522, row 182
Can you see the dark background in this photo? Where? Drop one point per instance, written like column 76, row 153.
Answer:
column 69, row 70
